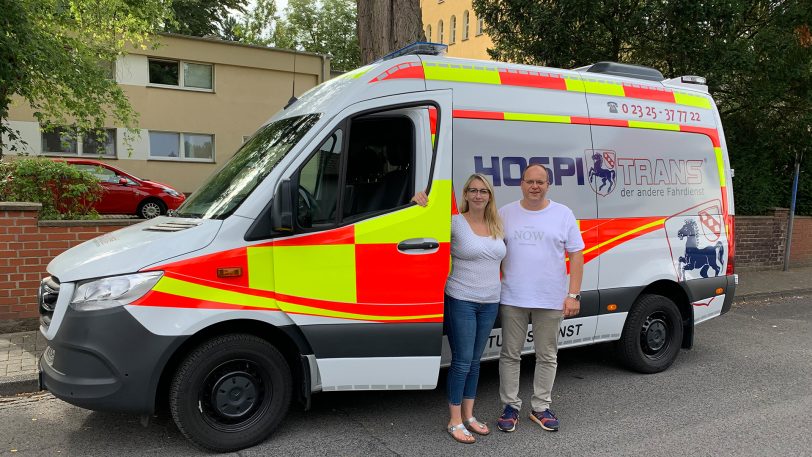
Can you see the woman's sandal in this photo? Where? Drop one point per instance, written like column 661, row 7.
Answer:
column 453, row 428
column 476, row 426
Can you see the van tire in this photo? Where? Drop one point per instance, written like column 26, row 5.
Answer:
column 224, row 419
column 652, row 335
column 149, row 208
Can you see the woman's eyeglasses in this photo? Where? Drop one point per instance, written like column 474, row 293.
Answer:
column 483, row 192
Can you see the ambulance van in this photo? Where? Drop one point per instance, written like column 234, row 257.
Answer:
column 302, row 267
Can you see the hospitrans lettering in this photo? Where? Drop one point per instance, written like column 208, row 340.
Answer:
column 636, row 177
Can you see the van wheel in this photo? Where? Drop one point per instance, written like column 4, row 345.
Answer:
column 231, row 392
column 150, row 208
column 652, row 335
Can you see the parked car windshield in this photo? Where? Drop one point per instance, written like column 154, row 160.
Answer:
column 225, row 190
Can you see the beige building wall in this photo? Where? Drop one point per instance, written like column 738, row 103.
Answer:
column 250, row 84
column 452, row 14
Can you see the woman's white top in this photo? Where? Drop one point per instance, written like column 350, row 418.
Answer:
column 475, row 264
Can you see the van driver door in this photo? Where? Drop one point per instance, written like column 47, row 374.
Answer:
column 363, row 275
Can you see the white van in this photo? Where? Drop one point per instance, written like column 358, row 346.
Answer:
column 302, row 266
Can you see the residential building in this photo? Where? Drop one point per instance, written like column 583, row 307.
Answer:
column 198, row 100
column 454, row 22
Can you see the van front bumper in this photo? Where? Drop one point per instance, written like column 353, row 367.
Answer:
column 106, row 361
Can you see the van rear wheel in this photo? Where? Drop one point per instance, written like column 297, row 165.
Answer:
column 652, row 335
column 231, row 392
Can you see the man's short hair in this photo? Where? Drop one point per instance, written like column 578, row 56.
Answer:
column 546, row 172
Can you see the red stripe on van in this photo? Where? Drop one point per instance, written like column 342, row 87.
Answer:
column 471, row 114
column 600, row 121
column 713, row 134
column 649, row 94
column 537, row 81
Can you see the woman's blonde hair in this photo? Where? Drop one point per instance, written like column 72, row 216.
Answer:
column 492, row 219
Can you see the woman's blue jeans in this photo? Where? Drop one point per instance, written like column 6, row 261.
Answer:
column 468, row 326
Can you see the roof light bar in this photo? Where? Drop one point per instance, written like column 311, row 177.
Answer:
column 420, row 48
column 689, row 79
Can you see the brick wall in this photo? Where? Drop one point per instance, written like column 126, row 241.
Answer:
column 760, row 241
column 27, row 245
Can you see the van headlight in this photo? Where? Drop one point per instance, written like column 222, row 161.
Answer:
column 114, row 291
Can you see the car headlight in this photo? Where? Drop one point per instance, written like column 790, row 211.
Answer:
column 114, row 291
column 171, row 192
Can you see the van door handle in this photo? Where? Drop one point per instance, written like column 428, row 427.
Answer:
column 419, row 246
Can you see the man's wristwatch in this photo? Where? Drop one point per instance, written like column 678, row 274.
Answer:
column 575, row 296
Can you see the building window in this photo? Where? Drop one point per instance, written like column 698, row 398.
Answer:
column 181, row 146
column 194, row 75
column 465, row 23
column 428, row 32
column 453, row 32
column 440, row 36
column 480, row 25
column 64, row 141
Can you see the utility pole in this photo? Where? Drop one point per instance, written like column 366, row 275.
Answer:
column 799, row 156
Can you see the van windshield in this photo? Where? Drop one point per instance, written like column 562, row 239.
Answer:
column 225, row 190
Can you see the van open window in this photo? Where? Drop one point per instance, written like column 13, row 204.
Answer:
column 366, row 171
column 380, row 165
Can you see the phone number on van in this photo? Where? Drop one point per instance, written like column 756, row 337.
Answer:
column 654, row 113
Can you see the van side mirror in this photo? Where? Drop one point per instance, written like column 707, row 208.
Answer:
column 282, row 208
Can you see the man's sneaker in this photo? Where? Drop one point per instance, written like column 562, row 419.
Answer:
column 546, row 419
column 508, row 420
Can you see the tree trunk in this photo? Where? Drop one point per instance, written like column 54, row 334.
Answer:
column 387, row 25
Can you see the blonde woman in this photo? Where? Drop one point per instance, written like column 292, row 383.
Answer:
column 471, row 299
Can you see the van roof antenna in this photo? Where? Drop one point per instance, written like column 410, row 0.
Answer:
column 293, row 98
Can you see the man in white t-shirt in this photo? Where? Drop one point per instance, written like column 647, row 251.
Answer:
column 539, row 234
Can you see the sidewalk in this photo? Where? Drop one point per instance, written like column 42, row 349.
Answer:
column 20, row 352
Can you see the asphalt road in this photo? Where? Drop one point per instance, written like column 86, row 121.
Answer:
column 744, row 390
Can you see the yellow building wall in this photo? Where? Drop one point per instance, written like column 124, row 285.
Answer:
column 250, row 84
column 474, row 46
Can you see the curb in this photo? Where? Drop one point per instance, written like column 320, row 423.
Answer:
column 774, row 294
column 13, row 385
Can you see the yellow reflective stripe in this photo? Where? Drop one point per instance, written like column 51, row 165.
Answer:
column 624, row 235
column 697, row 101
column 205, row 293
column 413, row 222
column 537, row 118
column 604, row 88
column 357, row 73
column 574, row 85
column 302, row 309
column 720, row 164
column 444, row 72
column 321, row 272
column 653, row 125
column 260, row 268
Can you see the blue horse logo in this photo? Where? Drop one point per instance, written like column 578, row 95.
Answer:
column 598, row 171
column 696, row 258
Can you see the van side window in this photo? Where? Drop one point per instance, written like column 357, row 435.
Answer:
column 380, row 165
column 317, row 196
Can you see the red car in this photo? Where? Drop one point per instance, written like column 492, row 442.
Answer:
column 126, row 194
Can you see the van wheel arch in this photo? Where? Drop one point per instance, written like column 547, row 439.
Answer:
column 659, row 322
column 291, row 344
